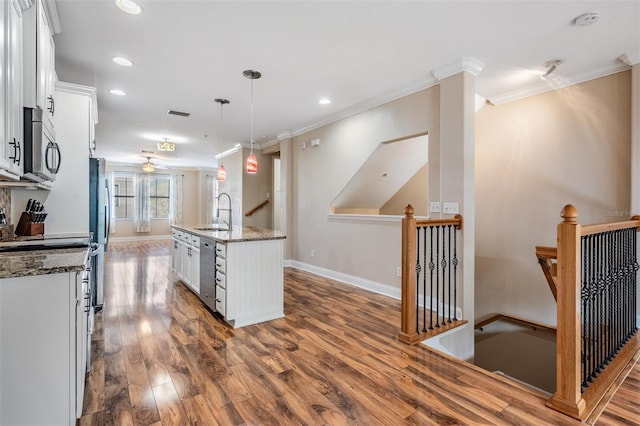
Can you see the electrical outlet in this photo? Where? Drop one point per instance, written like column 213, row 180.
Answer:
column 398, row 271
column 451, row 208
column 313, row 253
column 434, row 207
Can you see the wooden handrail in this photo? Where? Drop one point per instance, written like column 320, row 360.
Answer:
column 570, row 398
column 256, row 208
column 515, row 319
column 546, row 258
column 410, row 333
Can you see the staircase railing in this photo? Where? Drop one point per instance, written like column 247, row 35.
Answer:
column 596, row 293
column 430, row 263
column 256, row 208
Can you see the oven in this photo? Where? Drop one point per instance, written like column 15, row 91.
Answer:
column 41, row 152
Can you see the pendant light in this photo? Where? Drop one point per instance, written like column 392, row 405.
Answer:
column 222, row 172
column 252, row 161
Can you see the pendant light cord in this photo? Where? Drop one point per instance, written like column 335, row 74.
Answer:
column 221, row 125
column 252, row 116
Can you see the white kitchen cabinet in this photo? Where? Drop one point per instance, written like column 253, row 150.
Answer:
column 11, row 75
column 186, row 259
column 43, row 340
column 39, row 61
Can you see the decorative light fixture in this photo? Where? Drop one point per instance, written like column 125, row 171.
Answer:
column 551, row 65
column 252, row 162
column 166, row 145
column 222, row 172
column 148, row 166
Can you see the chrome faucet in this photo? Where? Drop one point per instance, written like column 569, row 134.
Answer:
column 228, row 210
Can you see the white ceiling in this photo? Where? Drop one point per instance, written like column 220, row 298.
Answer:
column 357, row 53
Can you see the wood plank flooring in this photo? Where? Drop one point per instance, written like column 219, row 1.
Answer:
column 161, row 358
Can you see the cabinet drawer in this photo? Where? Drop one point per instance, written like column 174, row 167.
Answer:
column 221, row 279
column 221, row 300
column 221, row 265
column 194, row 240
column 221, row 250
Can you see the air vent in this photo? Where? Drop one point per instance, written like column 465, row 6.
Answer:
column 146, row 152
column 179, row 113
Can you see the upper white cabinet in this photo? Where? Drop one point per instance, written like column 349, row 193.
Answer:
column 39, row 58
column 11, row 117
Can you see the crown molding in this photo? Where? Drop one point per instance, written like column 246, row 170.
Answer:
column 466, row 64
column 406, row 90
column 51, row 11
column 555, row 84
column 630, row 59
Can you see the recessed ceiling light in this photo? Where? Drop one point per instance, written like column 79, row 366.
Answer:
column 587, row 19
column 129, row 6
column 122, row 61
column 324, row 101
column 117, row 92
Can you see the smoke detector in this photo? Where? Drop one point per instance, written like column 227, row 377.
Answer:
column 586, row 19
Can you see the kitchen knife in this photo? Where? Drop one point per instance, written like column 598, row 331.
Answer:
column 28, row 208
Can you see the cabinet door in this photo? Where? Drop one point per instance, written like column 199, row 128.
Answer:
column 186, row 264
column 195, row 269
column 14, row 148
column 4, row 133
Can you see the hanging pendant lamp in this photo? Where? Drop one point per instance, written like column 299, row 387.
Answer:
column 222, row 172
column 252, row 162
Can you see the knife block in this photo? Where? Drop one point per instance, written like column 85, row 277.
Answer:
column 26, row 228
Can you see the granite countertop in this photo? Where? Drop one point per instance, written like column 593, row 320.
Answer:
column 245, row 233
column 39, row 262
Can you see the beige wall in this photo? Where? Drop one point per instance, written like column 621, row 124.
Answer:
column 533, row 156
column 160, row 227
column 255, row 189
column 369, row 250
column 414, row 192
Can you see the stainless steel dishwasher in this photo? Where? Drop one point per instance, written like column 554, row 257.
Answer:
column 208, row 272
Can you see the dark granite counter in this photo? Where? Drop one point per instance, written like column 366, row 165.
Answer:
column 245, row 233
column 40, row 262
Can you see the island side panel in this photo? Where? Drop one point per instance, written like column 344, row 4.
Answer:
column 255, row 283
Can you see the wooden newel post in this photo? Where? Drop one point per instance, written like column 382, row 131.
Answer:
column 568, row 398
column 408, row 333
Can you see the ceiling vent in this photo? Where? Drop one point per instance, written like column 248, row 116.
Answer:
column 179, row 113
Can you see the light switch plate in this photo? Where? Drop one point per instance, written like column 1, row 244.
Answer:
column 451, row 208
column 434, row 207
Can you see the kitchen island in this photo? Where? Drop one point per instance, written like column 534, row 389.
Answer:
column 237, row 273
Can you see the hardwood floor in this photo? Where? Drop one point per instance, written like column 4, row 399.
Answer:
column 160, row 357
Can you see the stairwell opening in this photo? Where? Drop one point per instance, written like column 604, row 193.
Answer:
column 524, row 353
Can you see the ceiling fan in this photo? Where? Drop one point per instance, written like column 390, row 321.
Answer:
column 148, row 166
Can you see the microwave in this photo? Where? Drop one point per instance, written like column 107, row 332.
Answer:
column 41, row 152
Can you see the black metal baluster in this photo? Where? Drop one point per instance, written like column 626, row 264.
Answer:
column 583, row 314
column 437, row 277
column 424, row 280
column 417, row 280
column 431, row 266
column 455, row 273
column 443, row 264
column 449, row 269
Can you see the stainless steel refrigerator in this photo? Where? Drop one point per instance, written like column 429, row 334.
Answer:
column 99, row 225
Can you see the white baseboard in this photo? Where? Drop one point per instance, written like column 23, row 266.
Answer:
column 363, row 283
column 139, row 238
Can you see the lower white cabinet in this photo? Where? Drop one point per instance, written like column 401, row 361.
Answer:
column 186, row 259
column 43, row 340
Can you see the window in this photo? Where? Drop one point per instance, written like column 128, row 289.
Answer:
column 123, row 196
column 159, row 197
